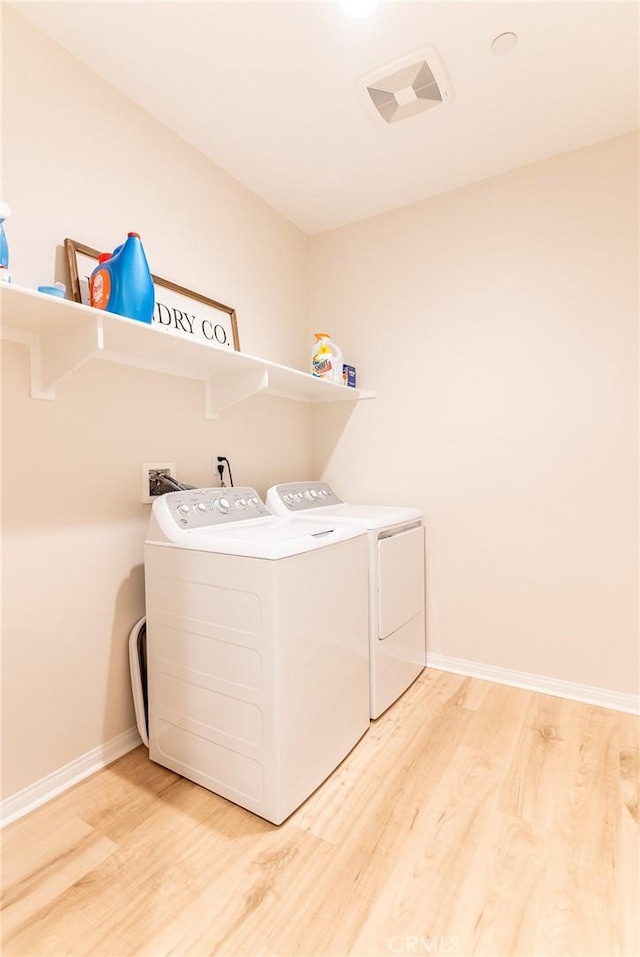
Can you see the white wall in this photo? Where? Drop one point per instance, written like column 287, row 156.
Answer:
column 498, row 325
column 80, row 160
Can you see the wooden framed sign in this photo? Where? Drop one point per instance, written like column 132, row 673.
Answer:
column 176, row 309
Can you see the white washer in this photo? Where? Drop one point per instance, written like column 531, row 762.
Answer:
column 397, row 628
column 257, row 646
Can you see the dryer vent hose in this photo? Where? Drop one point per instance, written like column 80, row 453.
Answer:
column 160, row 484
column 138, row 669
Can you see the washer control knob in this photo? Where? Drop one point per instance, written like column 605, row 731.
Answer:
column 241, row 503
column 298, row 496
column 182, row 509
column 311, row 495
column 224, row 505
column 288, row 498
column 254, row 502
column 200, row 507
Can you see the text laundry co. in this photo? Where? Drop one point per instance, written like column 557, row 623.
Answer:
column 202, row 328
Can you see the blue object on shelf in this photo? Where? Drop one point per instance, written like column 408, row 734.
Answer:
column 349, row 375
column 122, row 282
column 53, row 289
column 5, row 212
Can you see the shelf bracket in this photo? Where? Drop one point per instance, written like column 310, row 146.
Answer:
column 224, row 391
column 55, row 355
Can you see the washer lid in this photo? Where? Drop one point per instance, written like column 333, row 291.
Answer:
column 317, row 499
column 270, row 538
column 372, row 516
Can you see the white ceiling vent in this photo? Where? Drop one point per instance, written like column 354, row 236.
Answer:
column 408, row 86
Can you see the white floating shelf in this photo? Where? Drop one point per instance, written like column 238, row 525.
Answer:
column 63, row 335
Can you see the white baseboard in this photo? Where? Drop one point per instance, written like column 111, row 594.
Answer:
column 601, row 697
column 46, row 788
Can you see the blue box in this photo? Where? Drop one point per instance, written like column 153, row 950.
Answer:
column 349, row 375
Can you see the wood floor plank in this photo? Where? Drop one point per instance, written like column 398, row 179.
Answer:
column 255, row 896
column 626, row 855
column 498, row 722
column 580, row 914
column 507, row 874
column 630, row 764
column 430, row 861
column 117, row 800
column 66, row 861
column 46, row 843
column 472, row 819
column 535, row 784
column 134, row 881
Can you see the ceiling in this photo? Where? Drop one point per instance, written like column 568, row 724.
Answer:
column 273, row 92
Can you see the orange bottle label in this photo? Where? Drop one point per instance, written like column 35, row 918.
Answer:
column 100, row 288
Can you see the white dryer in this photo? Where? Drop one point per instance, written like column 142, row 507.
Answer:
column 257, row 646
column 397, row 627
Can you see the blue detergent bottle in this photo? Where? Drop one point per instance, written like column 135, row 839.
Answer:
column 5, row 213
column 122, row 282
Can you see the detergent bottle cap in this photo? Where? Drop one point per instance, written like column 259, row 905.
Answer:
column 102, row 258
column 137, row 235
column 322, row 335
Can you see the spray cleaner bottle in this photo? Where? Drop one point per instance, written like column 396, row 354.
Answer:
column 5, row 213
column 122, row 282
column 326, row 362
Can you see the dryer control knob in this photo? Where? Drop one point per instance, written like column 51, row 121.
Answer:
column 298, row 496
column 182, row 509
column 311, row 495
column 288, row 498
column 224, row 505
column 254, row 502
column 200, row 507
column 241, row 503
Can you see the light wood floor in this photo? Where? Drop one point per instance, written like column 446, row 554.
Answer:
column 472, row 818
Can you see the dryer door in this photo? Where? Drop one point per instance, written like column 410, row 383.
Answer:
column 400, row 579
